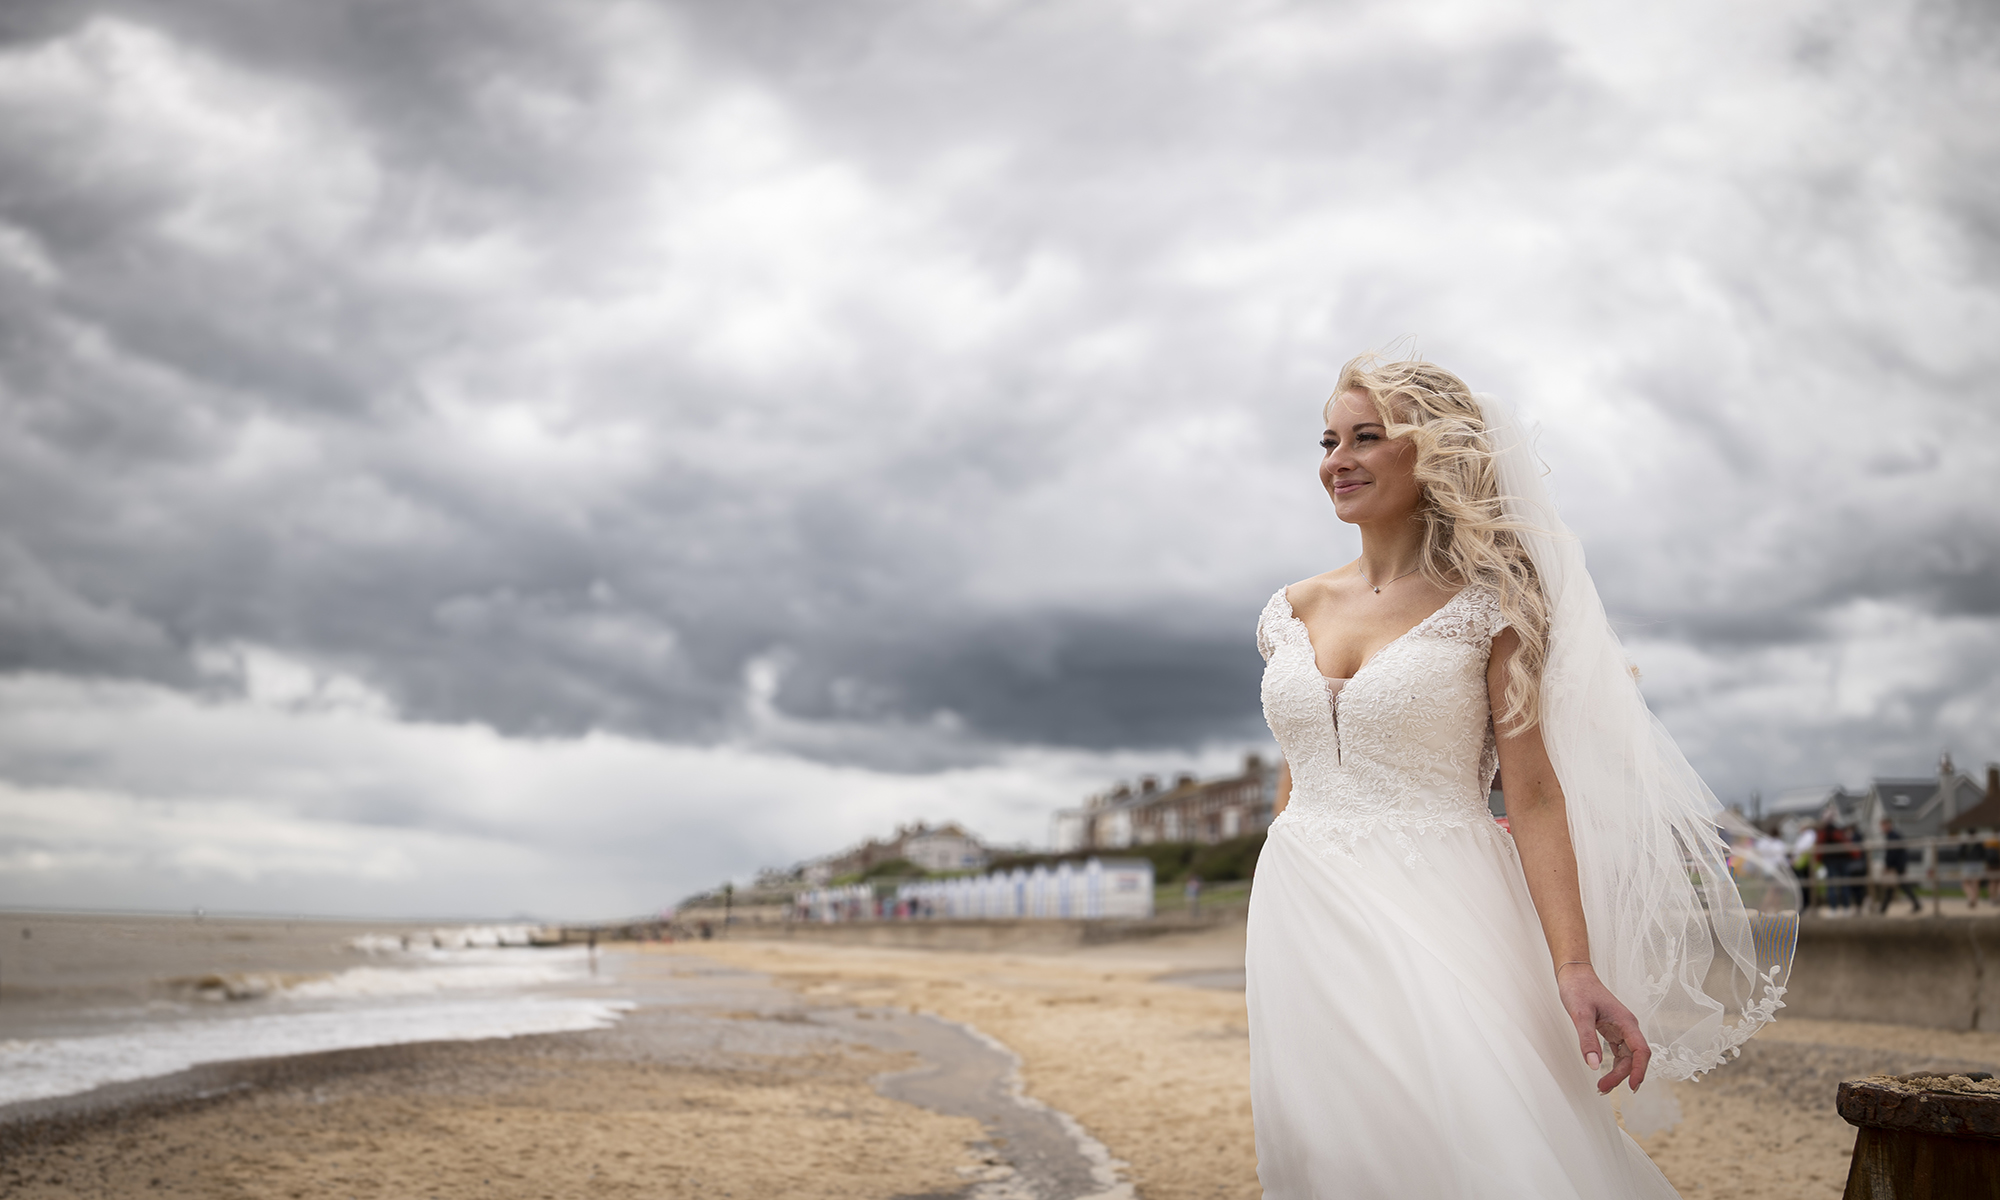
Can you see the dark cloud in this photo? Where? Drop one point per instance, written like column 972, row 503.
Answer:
column 908, row 387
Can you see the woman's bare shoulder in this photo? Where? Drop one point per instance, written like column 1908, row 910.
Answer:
column 1320, row 587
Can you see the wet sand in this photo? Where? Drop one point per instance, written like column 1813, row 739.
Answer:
column 798, row 1070
column 1159, row 1072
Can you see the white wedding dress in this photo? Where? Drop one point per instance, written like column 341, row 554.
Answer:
column 1406, row 1037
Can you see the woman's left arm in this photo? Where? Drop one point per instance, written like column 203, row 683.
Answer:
column 1540, row 822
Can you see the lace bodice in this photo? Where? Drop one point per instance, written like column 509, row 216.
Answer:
column 1407, row 744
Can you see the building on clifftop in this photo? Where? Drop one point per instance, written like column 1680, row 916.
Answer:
column 935, row 849
column 1192, row 810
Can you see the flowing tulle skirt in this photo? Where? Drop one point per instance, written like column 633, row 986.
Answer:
column 1406, row 1038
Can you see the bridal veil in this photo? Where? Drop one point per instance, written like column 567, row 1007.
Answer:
column 1671, row 933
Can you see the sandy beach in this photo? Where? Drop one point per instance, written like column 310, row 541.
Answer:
column 796, row 1069
column 1159, row 1070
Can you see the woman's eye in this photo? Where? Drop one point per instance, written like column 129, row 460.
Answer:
column 1367, row 437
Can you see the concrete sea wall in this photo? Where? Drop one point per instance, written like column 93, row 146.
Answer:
column 1029, row 935
column 1937, row 973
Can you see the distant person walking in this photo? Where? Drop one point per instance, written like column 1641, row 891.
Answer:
column 1192, row 890
column 1832, row 865
column 1976, row 861
column 1841, row 861
column 1895, row 861
column 1805, row 865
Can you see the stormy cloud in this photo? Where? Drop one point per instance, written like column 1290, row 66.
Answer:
column 714, row 407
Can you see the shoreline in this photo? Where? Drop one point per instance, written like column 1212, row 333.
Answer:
column 90, row 1002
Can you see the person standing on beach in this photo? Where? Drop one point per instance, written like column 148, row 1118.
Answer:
column 1844, row 862
column 1426, row 992
column 1805, row 866
column 1896, row 861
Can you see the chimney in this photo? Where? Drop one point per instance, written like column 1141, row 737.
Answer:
column 1253, row 765
column 1184, row 779
column 1148, row 784
column 1993, row 782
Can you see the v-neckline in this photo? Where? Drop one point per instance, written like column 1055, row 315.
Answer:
column 1285, row 594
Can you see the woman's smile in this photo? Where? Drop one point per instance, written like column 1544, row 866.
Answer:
column 1369, row 476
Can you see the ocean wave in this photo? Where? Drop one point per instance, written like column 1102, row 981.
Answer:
column 40, row 1068
column 464, row 984
column 463, row 937
column 418, row 973
column 449, row 971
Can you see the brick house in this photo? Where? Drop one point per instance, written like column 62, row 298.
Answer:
column 1189, row 810
column 946, row 847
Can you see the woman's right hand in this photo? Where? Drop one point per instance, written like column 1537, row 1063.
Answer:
column 1595, row 1011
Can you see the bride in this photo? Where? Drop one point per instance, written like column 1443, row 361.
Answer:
column 1431, row 998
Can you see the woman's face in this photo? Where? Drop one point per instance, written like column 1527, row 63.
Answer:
column 1370, row 478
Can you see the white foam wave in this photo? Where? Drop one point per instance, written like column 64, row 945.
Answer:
column 41, row 1068
column 465, row 937
column 450, row 971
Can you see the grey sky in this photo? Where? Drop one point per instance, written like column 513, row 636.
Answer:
column 501, row 457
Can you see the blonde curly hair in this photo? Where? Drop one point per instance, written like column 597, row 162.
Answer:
column 1468, row 538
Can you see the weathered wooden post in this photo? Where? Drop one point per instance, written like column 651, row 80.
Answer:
column 1923, row 1136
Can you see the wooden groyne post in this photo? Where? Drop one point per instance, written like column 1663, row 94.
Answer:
column 1922, row 1136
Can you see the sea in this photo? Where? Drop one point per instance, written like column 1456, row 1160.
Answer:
column 90, row 999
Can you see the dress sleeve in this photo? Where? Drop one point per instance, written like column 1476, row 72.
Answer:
column 1481, row 617
column 1497, row 619
column 1269, row 629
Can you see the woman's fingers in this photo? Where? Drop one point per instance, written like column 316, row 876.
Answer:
column 1621, row 1060
column 1630, row 1053
column 1586, row 1037
column 1642, row 1051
